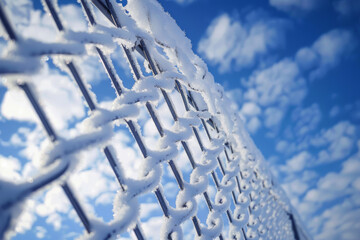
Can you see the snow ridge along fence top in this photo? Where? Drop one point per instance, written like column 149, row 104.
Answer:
column 247, row 203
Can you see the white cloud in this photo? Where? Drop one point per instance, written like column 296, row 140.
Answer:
column 253, row 124
column 337, row 219
column 250, row 109
column 279, row 84
column 170, row 189
column 40, row 232
column 341, row 148
column 229, row 40
column 53, row 205
column 16, row 106
column 295, row 6
column 22, row 18
column 339, row 140
column 55, row 220
column 56, row 92
column 297, row 163
column 347, row 7
column 270, row 92
column 152, row 227
column 356, row 184
column 10, row 168
column 27, row 217
column 352, row 165
column 235, row 94
column 31, row 141
column 184, row 2
column 273, row 117
column 353, row 109
column 329, row 204
column 105, row 198
column 309, row 175
column 338, row 222
column 92, row 177
column 321, row 195
column 306, row 208
column 54, row 202
column 334, row 181
column 306, row 58
column 30, row 22
column 296, row 187
column 334, row 111
column 73, row 17
column 127, row 153
column 306, row 119
column 329, row 135
column 148, row 209
column 19, row 138
column 326, row 52
column 277, row 87
column 90, row 182
column 282, row 146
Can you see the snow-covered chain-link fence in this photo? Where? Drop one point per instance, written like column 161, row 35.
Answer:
column 248, row 204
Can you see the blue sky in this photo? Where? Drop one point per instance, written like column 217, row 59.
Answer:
column 307, row 122
column 293, row 69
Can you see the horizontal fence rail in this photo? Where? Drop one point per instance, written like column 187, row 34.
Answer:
column 248, row 204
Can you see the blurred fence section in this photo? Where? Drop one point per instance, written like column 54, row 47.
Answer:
column 247, row 205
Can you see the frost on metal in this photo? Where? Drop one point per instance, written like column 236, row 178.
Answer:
column 248, row 203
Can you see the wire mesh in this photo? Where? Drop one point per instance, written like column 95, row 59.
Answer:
column 247, row 204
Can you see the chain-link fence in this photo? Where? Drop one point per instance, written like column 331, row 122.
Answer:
column 247, row 204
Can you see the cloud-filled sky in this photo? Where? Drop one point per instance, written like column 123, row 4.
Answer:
column 293, row 69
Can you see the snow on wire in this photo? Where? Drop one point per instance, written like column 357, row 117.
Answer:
column 248, row 203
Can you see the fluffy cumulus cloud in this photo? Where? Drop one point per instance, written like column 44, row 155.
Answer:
column 232, row 42
column 296, row 187
column 338, row 190
column 274, row 88
column 40, row 232
column 253, row 124
column 280, row 84
column 298, row 162
column 270, row 93
column 306, row 119
column 326, row 52
column 337, row 142
column 250, row 109
column 340, row 220
column 328, row 145
column 10, row 168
